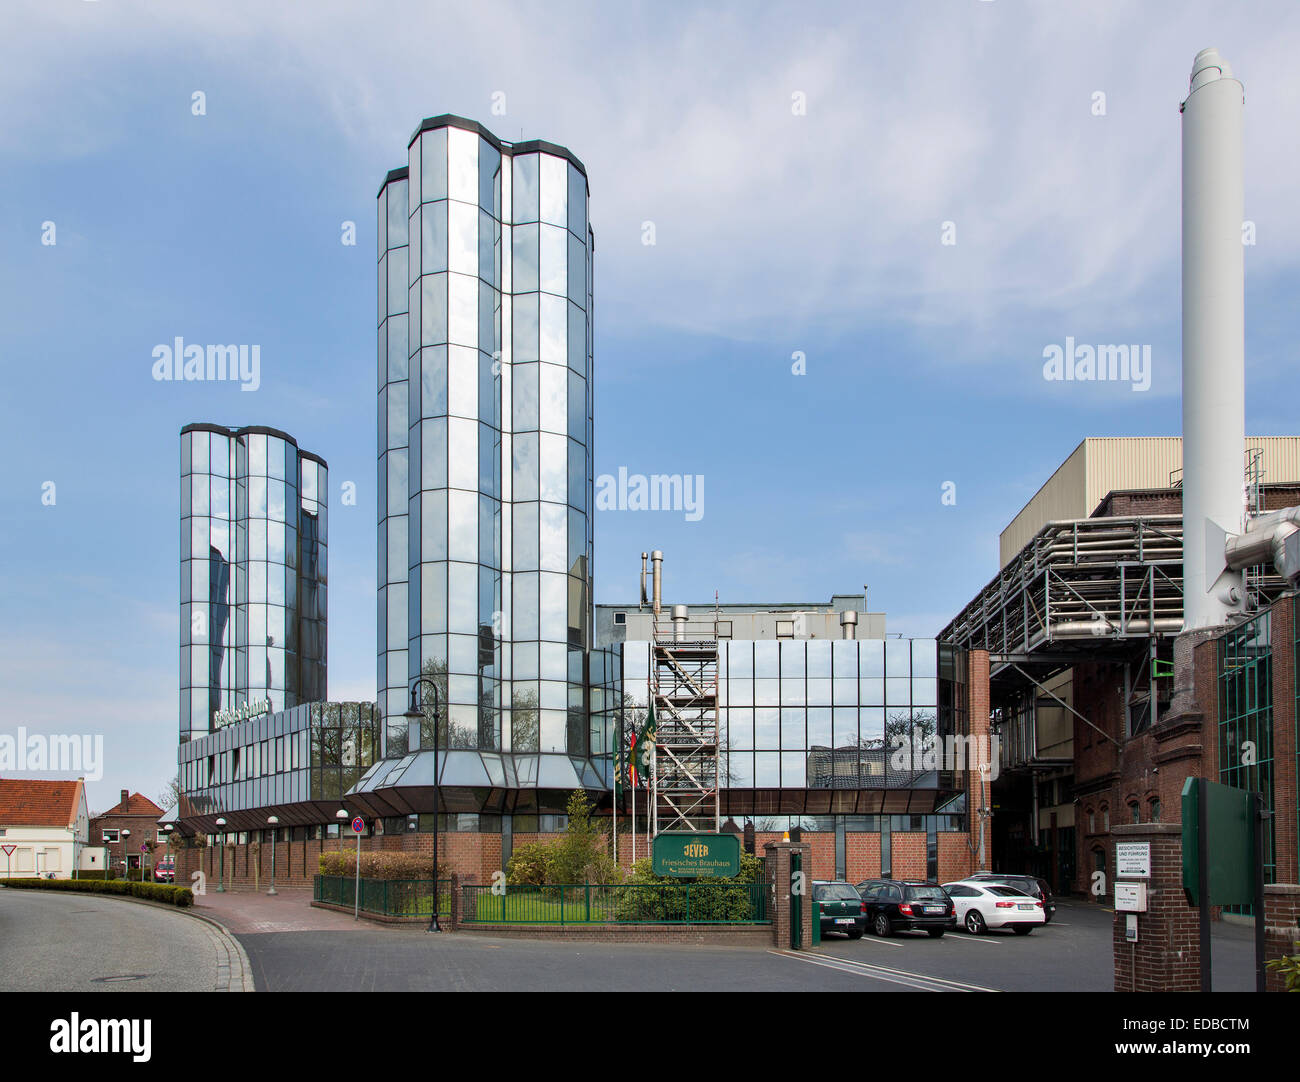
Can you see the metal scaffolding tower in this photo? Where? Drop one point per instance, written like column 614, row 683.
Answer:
column 684, row 685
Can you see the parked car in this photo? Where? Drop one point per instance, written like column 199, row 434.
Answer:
column 897, row 905
column 842, row 909
column 1030, row 884
column 982, row 905
column 165, row 872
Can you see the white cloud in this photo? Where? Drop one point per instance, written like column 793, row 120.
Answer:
column 765, row 219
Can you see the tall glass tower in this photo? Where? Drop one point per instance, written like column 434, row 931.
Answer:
column 253, row 574
column 485, row 435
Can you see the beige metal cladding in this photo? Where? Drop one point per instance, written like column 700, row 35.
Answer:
column 1105, row 464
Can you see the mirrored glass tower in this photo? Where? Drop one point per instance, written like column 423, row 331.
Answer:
column 485, row 467
column 253, row 575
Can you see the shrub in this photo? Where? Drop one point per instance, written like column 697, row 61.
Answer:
column 711, row 899
column 580, row 856
column 531, row 864
column 380, row 865
column 1289, row 966
column 158, row 892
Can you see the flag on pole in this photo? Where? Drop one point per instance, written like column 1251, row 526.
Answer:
column 643, row 748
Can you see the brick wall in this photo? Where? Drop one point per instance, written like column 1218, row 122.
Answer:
column 907, row 850
column 862, row 856
column 1282, row 927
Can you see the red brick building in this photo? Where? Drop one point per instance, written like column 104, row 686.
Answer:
column 131, row 823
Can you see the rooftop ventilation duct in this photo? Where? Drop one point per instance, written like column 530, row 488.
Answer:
column 1271, row 538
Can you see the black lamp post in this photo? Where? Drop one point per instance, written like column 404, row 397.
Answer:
column 221, row 841
column 416, row 714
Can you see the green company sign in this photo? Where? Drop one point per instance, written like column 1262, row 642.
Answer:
column 690, row 855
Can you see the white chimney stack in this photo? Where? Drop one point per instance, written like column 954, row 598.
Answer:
column 1214, row 372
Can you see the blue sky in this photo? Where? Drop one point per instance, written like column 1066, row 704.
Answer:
column 776, row 231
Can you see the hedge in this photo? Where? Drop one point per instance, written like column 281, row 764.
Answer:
column 157, row 892
column 380, row 865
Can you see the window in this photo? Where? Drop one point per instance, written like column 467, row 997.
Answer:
column 1135, row 812
column 620, row 618
column 111, row 836
column 1155, row 810
column 1092, row 821
column 785, row 629
column 1105, row 820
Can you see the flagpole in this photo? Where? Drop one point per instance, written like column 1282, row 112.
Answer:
column 618, row 762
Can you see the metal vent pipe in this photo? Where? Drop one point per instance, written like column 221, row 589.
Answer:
column 680, row 615
column 657, row 560
column 848, row 624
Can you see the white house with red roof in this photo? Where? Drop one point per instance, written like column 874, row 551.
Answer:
column 44, row 828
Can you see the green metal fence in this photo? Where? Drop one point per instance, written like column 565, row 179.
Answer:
column 385, row 897
column 621, row 903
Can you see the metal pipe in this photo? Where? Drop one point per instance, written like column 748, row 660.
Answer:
column 657, row 559
column 848, row 624
column 1214, row 374
column 680, row 615
column 1265, row 541
column 644, row 556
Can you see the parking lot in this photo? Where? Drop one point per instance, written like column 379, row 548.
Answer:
column 1072, row 953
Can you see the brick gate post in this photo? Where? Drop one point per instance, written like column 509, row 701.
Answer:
column 1167, row 954
column 778, row 862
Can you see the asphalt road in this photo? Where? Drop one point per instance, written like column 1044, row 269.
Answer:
column 1073, row 953
column 68, row 942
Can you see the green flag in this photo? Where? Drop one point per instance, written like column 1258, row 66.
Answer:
column 643, row 749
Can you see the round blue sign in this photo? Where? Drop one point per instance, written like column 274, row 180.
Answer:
column 358, row 825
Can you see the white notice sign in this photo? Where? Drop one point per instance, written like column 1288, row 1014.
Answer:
column 1133, row 859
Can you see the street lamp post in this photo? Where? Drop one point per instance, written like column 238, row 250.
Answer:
column 126, row 855
column 274, row 821
column 221, row 845
column 342, row 816
column 416, row 714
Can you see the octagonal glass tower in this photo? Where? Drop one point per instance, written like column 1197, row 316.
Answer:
column 485, row 467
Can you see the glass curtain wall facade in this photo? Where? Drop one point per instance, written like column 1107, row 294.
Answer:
column 811, row 727
column 298, row 762
column 484, row 445
column 253, row 574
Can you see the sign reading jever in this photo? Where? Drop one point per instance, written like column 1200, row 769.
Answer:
column 690, row 855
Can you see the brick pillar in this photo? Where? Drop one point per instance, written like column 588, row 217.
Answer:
column 779, row 888
column 1167, row 955
column 979, row 787
column 1281, row 927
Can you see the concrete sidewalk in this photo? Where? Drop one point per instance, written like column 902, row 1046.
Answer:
column 255, row 912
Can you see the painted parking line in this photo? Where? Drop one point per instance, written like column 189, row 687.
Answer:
column 920, row 981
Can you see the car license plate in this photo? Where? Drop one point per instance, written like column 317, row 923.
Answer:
column 843, row 920
column 934, row 909
column 1029, row 907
